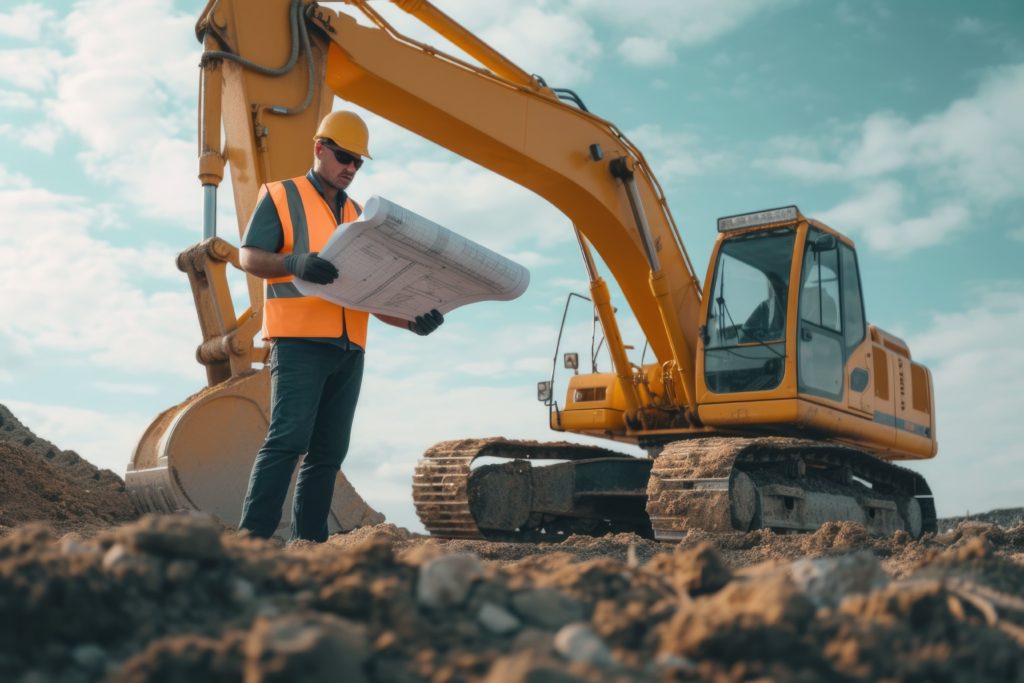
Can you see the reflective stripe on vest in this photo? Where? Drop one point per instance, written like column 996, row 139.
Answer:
column 307, row 222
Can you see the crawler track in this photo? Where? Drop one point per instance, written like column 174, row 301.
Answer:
column 690, row 485
column 440, row 482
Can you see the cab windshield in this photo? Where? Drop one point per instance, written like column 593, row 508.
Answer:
column 746, row 325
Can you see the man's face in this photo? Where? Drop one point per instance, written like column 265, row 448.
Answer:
column 335, row 165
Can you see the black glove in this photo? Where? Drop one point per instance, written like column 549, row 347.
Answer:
column 426, row 323
column 311, row 268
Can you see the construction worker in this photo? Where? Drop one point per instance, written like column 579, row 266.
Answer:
column 316, row 356
column 767, row 322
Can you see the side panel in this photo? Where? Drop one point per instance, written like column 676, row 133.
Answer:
column 811, row 418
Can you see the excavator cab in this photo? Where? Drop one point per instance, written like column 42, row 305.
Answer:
column 785, row 344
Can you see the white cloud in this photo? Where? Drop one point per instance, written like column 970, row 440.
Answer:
column 879, row 215
column 41, row 137
column 673, row 155
column 978, row 371
column 979, row 141
column 961, row 160
column 559, row 47
column 1018, row 234
column 31, row 68
column 974, row 148
column 870, row 18
column 16, row 99
column 26, row 22
column 679, row 22
column 542, row 38
column 646, row 51
column 139, row 135
column 557, row 39
column 472, row 201
column 104, row 439
column 971, row 26
column 13, row 180
column 121, row 388
column 531, row 259
column 65, row 290
column 804, row 169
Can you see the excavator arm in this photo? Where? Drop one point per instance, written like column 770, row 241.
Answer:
column 495, row 115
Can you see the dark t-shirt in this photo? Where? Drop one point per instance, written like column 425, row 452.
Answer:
column 266, row 232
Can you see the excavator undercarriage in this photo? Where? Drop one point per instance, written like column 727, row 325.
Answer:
column 710, row 483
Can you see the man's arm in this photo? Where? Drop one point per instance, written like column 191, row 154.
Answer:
column 422, row 325
column 267, row 264
column 262, row 263
column 392, row 320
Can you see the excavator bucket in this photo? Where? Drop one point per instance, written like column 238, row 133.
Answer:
column 197, row 457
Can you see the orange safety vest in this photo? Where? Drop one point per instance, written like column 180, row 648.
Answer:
column 307, row 222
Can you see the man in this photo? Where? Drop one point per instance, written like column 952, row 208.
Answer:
column 767, row 322
column 316, row 356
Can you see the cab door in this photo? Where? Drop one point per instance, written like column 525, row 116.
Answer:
column 834, row 358
column 860, row 395
column 821, row 350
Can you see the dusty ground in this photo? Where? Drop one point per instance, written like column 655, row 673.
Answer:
column 92, row 595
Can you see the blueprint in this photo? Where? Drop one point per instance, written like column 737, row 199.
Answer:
column 396, row 262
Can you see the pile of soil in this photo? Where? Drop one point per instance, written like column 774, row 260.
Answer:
column 180, row 598
column 1007, row 517
column 177, row 598
column 39, row 481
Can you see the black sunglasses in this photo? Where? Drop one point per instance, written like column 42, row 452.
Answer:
column 344, row 158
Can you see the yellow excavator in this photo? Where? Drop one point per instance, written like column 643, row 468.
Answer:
column 770, row 402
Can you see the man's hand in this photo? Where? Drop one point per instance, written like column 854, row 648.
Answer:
column 426, row 323
column 311, row 268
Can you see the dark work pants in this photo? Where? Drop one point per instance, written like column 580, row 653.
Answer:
column 314, row 387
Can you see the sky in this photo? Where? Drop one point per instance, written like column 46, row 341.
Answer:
column 897, row 123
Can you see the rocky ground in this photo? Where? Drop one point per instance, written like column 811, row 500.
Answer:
column 91, row 594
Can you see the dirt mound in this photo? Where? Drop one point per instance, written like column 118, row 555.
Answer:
column 178, row 598
column 41, row 482
column 1007, row 517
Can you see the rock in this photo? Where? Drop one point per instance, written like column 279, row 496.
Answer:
column 117, row 556
column 578, row 643
column 71, row 544
column 669, row 662
column 306, row 646
column 180, row 571
column 90, row 657
column 696, row 571
column 242, row 591
column 497, row 620
column 527, row 667
column 534, row 639
column 183, row 536
column 445, row 581
column 547, row 607
column 827, row 580
column 971, row 548
column 34, row 676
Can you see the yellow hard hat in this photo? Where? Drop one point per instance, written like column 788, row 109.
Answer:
column 347, row 130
